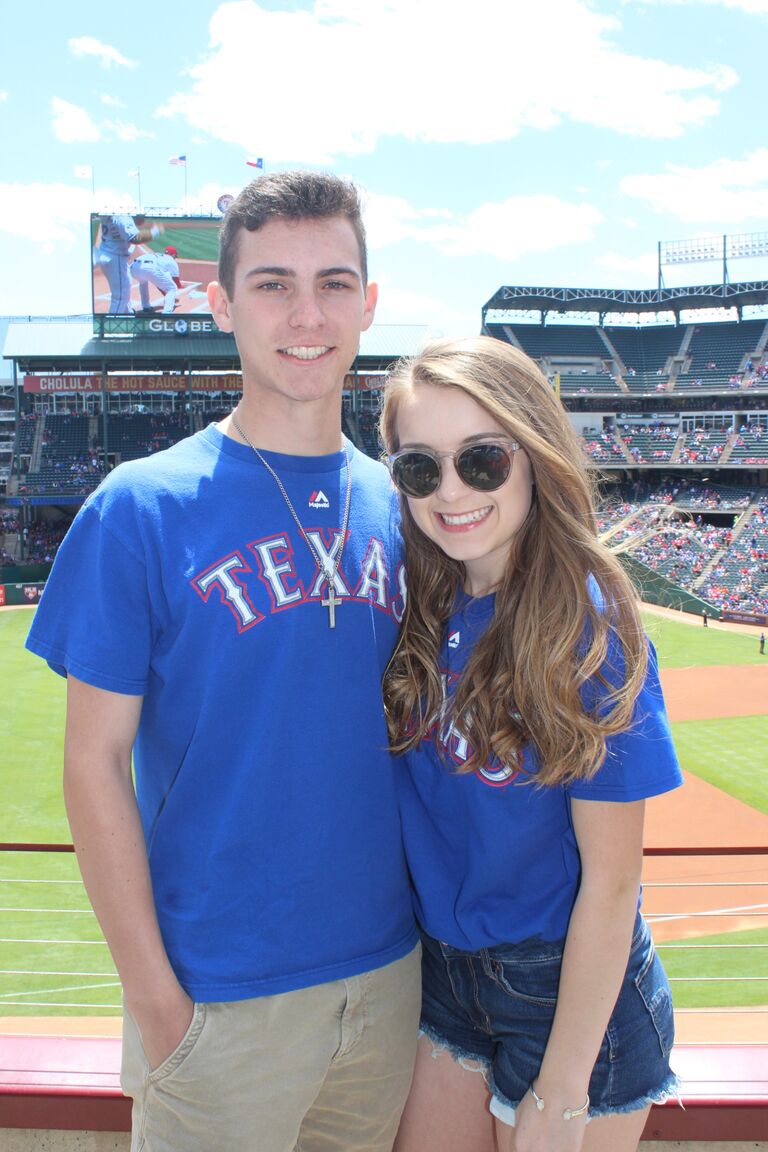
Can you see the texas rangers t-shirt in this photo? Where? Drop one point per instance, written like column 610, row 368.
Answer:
column 493, row 857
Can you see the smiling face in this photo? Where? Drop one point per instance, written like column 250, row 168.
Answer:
column 297, row 308
column 476, row 528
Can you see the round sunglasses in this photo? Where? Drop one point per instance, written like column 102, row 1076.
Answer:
column 484, row 466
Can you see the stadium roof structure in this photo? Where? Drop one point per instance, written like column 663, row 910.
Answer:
column 510, row 299
column 61, row 345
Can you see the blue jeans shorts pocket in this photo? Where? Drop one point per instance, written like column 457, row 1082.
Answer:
column 528, row 973
column 653, row 987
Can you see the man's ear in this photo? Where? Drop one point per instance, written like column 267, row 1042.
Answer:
column 369, row 307
column 218, row 302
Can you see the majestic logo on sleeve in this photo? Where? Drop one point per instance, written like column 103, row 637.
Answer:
column 263, row 578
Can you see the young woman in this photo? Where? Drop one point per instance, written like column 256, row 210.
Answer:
column 526, row 699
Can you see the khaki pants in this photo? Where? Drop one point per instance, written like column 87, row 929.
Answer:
column 322, row 1069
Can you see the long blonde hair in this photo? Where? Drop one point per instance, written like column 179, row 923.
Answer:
column 566, row 613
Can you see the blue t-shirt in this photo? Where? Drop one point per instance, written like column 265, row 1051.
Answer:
column 264, row 785
column 493, row 857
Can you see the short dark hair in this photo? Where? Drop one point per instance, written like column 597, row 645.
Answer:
column 296, row 195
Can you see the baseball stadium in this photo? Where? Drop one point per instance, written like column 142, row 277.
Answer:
column 668, row 390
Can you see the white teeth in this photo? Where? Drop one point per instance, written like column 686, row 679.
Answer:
column 302, row 353
column 466, row 518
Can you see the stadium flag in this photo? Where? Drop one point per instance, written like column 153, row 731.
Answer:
column 255, row 161
column 179, row 160
column 135, row 174
column 84, row 171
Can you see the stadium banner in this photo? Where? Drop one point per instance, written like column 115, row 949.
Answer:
column 744, row 618
column 139, row 260
column 62, row 383
column 20, row 594
column 364, row 382
column 157, row 325
column 229, row 382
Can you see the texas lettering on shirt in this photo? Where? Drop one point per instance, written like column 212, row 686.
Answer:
column 456, row 749
column 261, row 578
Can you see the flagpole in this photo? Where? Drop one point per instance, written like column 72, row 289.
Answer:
column 138, row 177
column 186, row 202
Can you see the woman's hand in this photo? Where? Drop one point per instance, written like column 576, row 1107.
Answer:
column 545, row 1130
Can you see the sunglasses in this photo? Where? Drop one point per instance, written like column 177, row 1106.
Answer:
column 484, row 466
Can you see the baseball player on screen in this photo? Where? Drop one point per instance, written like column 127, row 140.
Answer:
column 118, row 235
column 160, row 269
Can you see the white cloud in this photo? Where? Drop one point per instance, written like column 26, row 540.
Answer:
column 127, row 132
column 52, row 214
column 81, row 46
column 3, row 96
column 517, row 227
column 390, row 219
column 623, row 270
column 724, row 191
column 366, row 74
column 400, row 304
column 507, row 230
column 72, row 124
column 111, row 101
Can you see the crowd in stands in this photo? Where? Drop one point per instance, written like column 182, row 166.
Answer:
column 739, row 579
column 36, row 543
column 703, row 445
column 734, row 557
column 10, row 525
column 682, row 554
column 601, row 446
column 694, row 495
column 42, row 541
column 368, row 424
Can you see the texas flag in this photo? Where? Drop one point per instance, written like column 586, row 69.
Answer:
column 255, row 161
column 177, row 160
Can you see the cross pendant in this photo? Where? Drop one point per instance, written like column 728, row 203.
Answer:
column 330, row 603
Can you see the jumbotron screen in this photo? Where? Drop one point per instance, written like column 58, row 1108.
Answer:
column 153, row 265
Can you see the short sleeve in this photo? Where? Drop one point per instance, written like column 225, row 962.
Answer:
column 94, row 619
column 640, row 762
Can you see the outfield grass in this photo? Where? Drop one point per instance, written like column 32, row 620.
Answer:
column 702, row 977
column 56, row 932
column 53, row 958
column 731, row 754
column 682, row 645
column 31, row 737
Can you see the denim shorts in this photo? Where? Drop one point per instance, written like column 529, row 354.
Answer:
column 496, row 1006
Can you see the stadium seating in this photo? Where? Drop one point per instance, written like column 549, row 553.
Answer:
column 133, row 435
column 750, row 443
column 723, row 347
column 645, row 351
column 561, row 341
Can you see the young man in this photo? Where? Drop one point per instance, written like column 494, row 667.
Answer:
column 236, row 601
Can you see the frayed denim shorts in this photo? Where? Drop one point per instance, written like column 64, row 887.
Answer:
column 496, row 1007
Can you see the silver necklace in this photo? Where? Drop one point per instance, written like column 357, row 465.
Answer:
column 329, row 572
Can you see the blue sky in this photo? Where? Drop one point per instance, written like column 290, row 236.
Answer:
column 552, row 142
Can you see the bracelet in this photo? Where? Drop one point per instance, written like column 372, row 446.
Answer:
column 568, row 1113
